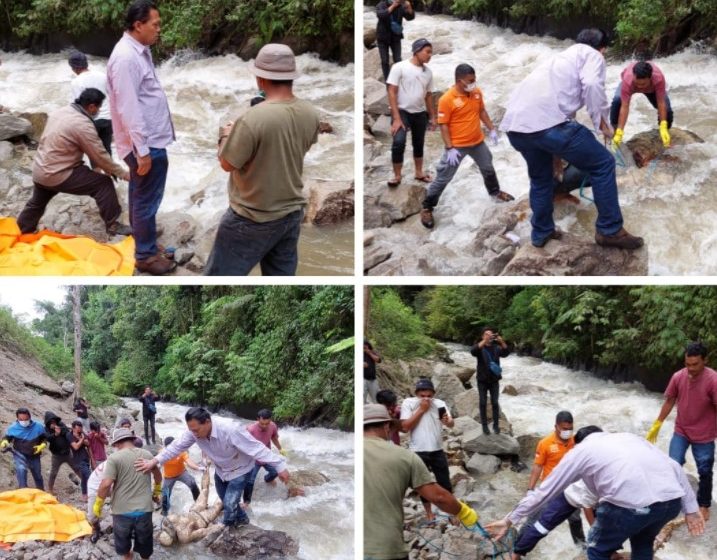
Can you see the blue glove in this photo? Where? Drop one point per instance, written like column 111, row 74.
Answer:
column 494, row 137
column 453, row 157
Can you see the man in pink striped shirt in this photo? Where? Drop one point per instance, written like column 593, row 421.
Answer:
column 143, row 129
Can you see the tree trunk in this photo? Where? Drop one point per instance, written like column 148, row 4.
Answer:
column 366, row 308
column 77, row 320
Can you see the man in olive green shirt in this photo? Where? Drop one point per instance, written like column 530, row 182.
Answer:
column 390, row 470
column 264, row 152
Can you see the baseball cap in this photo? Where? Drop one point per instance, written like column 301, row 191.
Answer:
column 425, row 383
column 418, row 44
column 375, row 413
column 275, row 62
column 77, row 60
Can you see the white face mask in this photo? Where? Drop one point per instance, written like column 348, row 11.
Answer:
column 469, row 87
column 566, row 434
column 24, row 423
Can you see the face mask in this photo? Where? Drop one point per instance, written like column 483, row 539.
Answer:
column 469, row 87
column 566, row 434
column 24, row 423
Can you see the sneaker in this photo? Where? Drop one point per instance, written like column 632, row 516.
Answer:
column 427, row 218
column 622, row 239
column 156, row 265
column 555, row 234
column 118, row 228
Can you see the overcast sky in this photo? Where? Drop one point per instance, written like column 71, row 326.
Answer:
column 20, row 295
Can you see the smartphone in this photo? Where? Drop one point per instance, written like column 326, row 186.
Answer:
column 441, row 411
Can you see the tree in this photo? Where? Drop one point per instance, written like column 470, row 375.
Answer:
column 77, row 321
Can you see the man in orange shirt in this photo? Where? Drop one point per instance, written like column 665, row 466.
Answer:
column 550, row 451
column 460, row 112
column 175, row 470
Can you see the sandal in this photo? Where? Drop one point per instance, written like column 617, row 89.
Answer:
column 424, row 178
column 394, row 183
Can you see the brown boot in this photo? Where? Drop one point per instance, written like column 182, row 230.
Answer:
column 622, row 239
column 427, row 218
column 156, row 265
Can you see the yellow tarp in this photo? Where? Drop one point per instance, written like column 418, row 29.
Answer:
column 49, row 253
column 32, row 515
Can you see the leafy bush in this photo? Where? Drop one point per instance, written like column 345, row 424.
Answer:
column 96, row 390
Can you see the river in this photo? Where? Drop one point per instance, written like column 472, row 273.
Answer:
column 201, row 91
column 658, row 205
column 615, row 407
column 322, row 521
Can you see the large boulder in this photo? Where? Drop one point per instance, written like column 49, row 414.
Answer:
column 466, row 404
column 38, row 121
column 448, row 387
column 372, row 65
column 375, row 97
column 647, row 145
column 375, row 255
column 476, row 441
column 463, row 424
column 178, row 228
column 528, row 443
column 329, row 202
column 483, row 464
column 6, row 152
column 251, row 543
column 381, row 128
column 12, row 126
column 461, row 372
column 402, row 201
column 369, row 38
column 375, row 215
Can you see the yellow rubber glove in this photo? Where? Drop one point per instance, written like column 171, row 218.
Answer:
column 3, row 444
column 38, row 448
column 467, row 515
column 652, row 433
column 664, row 134
column 283, row 452
column 157, row 490
column 97, row 507
column 617, row 139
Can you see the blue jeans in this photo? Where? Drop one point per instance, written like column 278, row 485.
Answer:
column 241, row 244
column 270, row 475
column 168, row 483
column 145, row 196
column 704, row 454
column 230, row 494
column 84, row 470
column 614, row 525
column 577, row 145
column 23, row 463
column 651, row 97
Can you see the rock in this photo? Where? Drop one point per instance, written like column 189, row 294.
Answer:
column 382, row 127
column 528, row 443
column 251, row 543
column 463, row 545
column 68, row 387
column 308, row 477
column 457, row 473
column 477, row 442
column 461, row 372
column 647, row 145
column 134, row 414
column 369, row 38
column 375, row 255
column 325, row 128
column 375, row 97
column 11, row 126
column 483, row 464
column 182, row 256
column 38, row 122
column 402, row 201
column 576, row 256
column 463, row 424
column 372, row 65
column 448, row 387
column 443, row 46
column 45, row 386
column 375, row 216
column 6, row 151
column 329, row 202
column 466, row 404
column 368, row 238
column 510, row 390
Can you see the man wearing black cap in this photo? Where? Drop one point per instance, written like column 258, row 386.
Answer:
column 264, row 153
column 390, row 470
column 87, row 78
column 422, row 417
column 389, row 29
column 409, row 96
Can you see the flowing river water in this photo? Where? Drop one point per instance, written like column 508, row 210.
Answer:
column 671, row 206
column 202, row 92
column 615, row 407
column 322, row 522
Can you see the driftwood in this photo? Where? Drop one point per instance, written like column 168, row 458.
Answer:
column 665, row 534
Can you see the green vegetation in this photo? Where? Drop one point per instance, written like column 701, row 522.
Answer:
column 195, row 24
column 648, row 22
column 644, row 327
column 286, row 347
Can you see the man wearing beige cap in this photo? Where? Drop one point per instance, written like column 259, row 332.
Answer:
column 389, row 470
column 264, row 154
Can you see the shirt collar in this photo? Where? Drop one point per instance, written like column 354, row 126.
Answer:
column 136, row 45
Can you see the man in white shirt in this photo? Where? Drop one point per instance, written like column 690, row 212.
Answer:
column 423, row 417
column 409, row 96
column 87, row 78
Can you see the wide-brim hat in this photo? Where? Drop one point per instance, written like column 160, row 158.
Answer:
column 375, row 413
column 275, row 62
column 121, row 434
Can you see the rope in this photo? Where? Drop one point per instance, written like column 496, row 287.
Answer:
column 582, row 190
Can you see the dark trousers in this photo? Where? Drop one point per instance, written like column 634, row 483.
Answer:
column 149, row 421
column 104, row 131
column 395, row 45
column 145, row 196
column 417, row 124
column 57, row 462
column 437, row 463
column 241, row 244
column 651, row 97
column 230, row 493
column 553, row 514
column 133, row 533
column 483, row 390
column 168, row 484
column 270, row 475
column 82, row 182
column 614, row 525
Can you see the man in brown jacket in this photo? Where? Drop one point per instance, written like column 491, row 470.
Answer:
column 58, row 166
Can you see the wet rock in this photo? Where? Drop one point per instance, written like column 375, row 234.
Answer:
column 12, row 126
column 574, row 255
column 6, row 151
column 402, row 201
column 329, row 202
column 38, row 121
column 369, row 37
column 375, row 97
column 448, row 387
column 251, row 543
column 477, row 442
column 372, row 65
column 325, row 128
column 510, row 390
column 647, row 145
column 375, row 255
column 442, row 46
column 480, row 464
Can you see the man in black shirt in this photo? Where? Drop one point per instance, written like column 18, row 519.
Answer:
column 389, row 30
column 59, row 439
column 370, row 383
column 149, row 411
column 488, row 350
